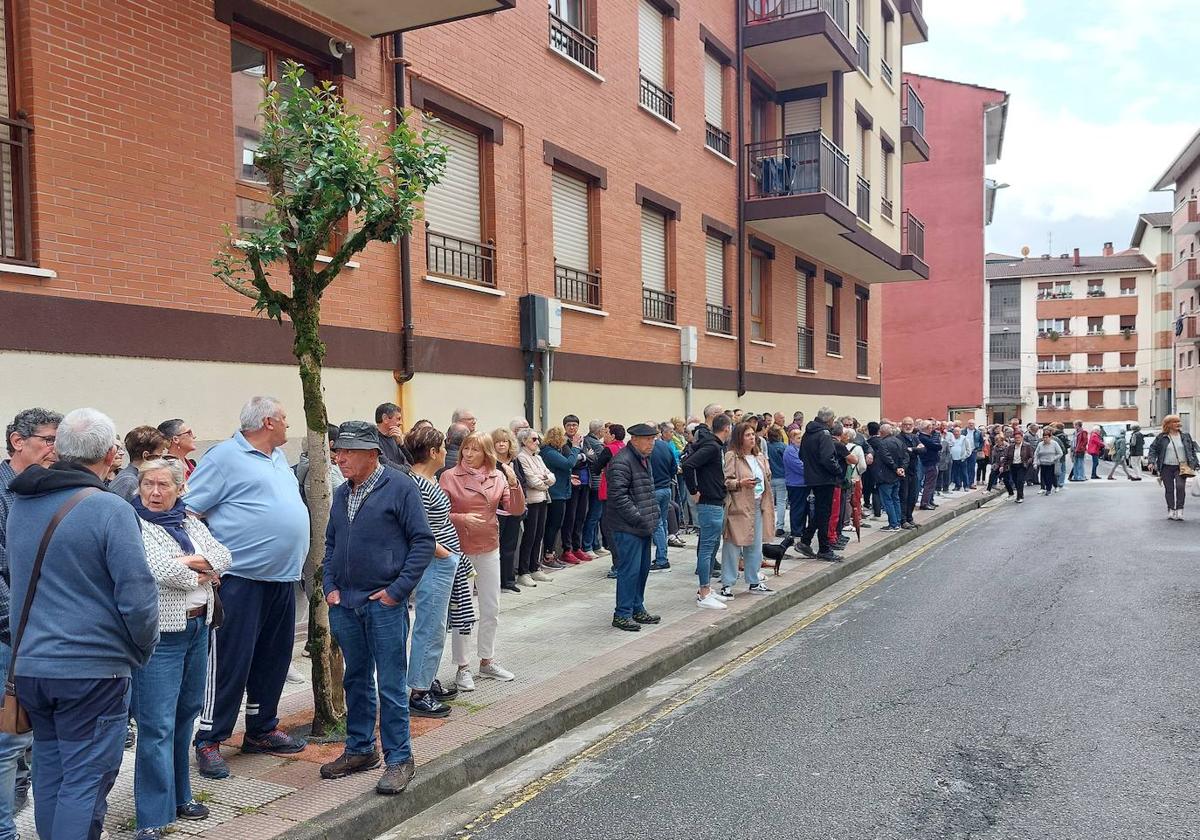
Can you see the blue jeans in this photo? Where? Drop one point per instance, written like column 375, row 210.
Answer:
column 751, row 556
column 958, row 474
column 591, row 525
column 1095, row 465
column 373, row 640
column 1062, row 473
column 890, row 495
column 779, row 488
column 1077, row 465
column 633, row 568
column 431, row 599
column 969, row 471
column 662, row 495
column 79, row 730
column 710, row 519
column 12, row 747
column 167, row 695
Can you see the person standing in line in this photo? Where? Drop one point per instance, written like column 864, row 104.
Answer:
column 81, row 628
column 974, row 443
column 908, row 484
column 929, row 462
column 797, row 491
column 704, row 473
column 822, row 472
column 1173, row 455
column 575, row 513
column 1121, row 459
column 664, row 467
column 510, row 526
column 890, row 457
column 776, row 448
column 1021, row 460
column 1046, row 456
column 945, row 460
column 1064, row 443
column 388, row 420
column 1079, row 452
column 142, row 444
column 455, row 435
column 248, row 496
column 958, row 456
column 999, row 448
column 1095, row 448
column 556, row 453
column 593, row 448
column 538, row 480
column 181, row 440
column 632, row 513
column 614, row 441
column 748, row 506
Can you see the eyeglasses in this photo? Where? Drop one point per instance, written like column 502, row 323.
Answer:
column 47, row 438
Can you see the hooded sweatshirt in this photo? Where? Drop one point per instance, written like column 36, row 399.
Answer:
column 704, row 467
column 95, row 610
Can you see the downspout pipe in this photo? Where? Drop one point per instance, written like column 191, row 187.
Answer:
column 405, row 373
column 740, row 251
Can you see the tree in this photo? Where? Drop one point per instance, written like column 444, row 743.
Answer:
column 338, row 184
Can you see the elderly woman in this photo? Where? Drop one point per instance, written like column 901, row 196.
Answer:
column 142, row 444
column 748, row 505
column 557, row 455
column 505, row 444
column 538, row 481
column 477, row 491
column 1173, row 455
column 168, row 692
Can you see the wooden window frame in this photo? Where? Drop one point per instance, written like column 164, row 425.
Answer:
column 486, row 144
column 764, row 293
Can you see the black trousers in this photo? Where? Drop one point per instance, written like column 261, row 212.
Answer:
column 1048, row 476
column 797, row 509
column 908, row 494
column 1018, row 479
column 573, row 518
column 1174, row 486
column 554, row 521
column 529, row 553
column 818, row 523
column 510, row 540
column 870, row 494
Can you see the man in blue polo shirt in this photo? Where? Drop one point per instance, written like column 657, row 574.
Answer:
column 249, row 498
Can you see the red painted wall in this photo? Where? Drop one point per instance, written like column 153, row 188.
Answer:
column 933, row 329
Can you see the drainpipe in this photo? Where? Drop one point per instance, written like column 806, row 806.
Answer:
column 405, row 373
column 741, row 211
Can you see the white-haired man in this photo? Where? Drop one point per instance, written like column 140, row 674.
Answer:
column 247, row 494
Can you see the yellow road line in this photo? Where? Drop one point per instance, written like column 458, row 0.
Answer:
column 624, row 733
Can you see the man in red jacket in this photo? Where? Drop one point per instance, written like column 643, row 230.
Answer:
column 1079, row 452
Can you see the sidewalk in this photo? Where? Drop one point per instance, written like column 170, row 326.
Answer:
column 569, row 663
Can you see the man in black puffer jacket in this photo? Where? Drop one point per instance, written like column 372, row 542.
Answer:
column 632, row 513
column 822, row 472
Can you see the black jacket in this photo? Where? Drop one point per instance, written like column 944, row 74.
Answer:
column 1137, row 443
column 597, row 458
column 910, row 441
column 821, row 464
column 703, row 465
column 1158, row 451
column 631, row 506
column 890, row 455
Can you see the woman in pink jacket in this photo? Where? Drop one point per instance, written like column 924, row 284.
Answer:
column 477, row 489
column 1095, row 448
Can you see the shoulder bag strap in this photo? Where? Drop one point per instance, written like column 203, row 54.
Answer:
column 36, row 572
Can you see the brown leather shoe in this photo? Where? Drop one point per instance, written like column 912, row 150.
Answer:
column 396, row 778
column 348, row 763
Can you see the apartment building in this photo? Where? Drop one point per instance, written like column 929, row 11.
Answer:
column 653, row 165
column 951, row 193
column 1182, row 178
column 1071, row 338
column 1153, row 238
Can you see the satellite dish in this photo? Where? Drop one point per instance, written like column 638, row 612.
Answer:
column 1025, row 251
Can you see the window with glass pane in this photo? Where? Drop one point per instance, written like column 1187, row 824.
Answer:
column 1128, row 398
column 1128, row 322
column 757, row 270
column 570, row 11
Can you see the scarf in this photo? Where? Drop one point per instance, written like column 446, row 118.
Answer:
column 170, row 521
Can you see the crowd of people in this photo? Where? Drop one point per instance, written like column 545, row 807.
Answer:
column 169, row 587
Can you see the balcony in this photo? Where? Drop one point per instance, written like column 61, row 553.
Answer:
column 16, row 229
column 860, row 348
column 717, row 139
column 794, row 40
column 913, row 29
column 658, row 100
column 804, row 349
column 461, row 259
column 912, row 242
column 382, row 17
column 862, row 199
column 886, row 208
column 912, row 129
column 718, row 319
column 833, row 344
column 572, row 42
column 581, row 288
column 863, row 44
column 885, row 70
column 1187, row 329
column 1186, row 220
column 658, row 306
column 1185, row 274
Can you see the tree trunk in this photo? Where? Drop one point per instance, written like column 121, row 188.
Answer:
column 328, row 699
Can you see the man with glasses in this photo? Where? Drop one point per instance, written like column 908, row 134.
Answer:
column 908, row 483
column 182, row 442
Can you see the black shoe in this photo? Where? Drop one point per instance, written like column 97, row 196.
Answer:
column 829, row 557
column 442, row 693
column 275, row 742
column 131, row 736
column 659, row 567
column 644, row 617
column 779, row 532
column 396, row 778
column 148, row 834
column 716, row 567
column 511, row 587
column 348, row 763
column 805, row 549
column 192, row 811
column 426, row 705
column 627, row 624
column 908, row 526
column 926, row 507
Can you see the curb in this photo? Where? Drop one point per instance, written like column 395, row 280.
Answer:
column 370, row 815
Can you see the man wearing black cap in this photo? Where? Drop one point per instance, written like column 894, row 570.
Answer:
column 632, row 514
column 367, row 582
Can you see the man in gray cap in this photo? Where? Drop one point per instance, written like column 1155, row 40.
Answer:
column 367, row 583
column 632, row 515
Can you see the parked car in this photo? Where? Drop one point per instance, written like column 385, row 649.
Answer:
column 1150, row 434
column 1111, row 430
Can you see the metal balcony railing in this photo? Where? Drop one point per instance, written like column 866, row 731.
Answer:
column 886, row 208
column 16, row 216
column 760, row 11
column 864, row 52
column 464, row 259
column 658, row 306
column 912, row 111
column 797, row 165
column 804, row 349
column 860, row 348
column 862, row 204
column 718, row 319
column 575, row 286
column 833, row 344
column 661, row 102
column 716, row 139
column 885, row 70
column 912, row 232
column 574, row 43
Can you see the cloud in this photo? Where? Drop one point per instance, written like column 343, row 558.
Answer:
column 973, row 15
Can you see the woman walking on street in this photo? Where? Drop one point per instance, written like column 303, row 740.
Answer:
column 1095, row 448
column 996, row 457
column 748, row 505
column 1173, row 454
column 1121, row 459
column 1047, row 454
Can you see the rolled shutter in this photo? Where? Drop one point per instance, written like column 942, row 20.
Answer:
column 714, row 271
column 654, row 250
column 885, row 188
column 570, row 200
column 452, row 204
column 861, row 162
column 714, row 92
column 651, row 52
column 801, row 299
column 801, row 116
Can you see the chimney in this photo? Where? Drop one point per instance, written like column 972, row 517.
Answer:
column 1077, row 263
column 1108, row 249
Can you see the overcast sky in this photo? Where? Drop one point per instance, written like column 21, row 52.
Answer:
column 1103, row 99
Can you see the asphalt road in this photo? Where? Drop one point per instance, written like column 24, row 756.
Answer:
column 1033, row 676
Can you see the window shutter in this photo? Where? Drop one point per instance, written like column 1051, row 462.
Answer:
column 885, row 187
column 654, row 250
column 801, row 299
column 714, row 92
column 861, row 162
column 570, row 208
column 651, row 52
column 801, row 116
column 452, row 204
column 714, row 271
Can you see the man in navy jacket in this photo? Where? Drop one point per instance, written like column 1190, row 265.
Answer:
column 377, row 546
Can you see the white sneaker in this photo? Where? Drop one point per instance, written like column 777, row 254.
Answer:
column 541, row 577
column 464, row 681
column 294, row 676
column 1179, row 515
column 602, row 552
column 710, row 602
column 525, row 580
column 495, row 672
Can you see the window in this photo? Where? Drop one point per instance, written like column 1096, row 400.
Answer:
column 1062, row 289
column 1054, row 399
column 570, row 32
column 833, row 317
column 1004, row 384
column 860, row 332
column 1095, row 325
column 863, row 205
column 1095, row 362
column 1095, row 399
column 1128, row 398
column 1189, row 358
column 652, row 61
column 718, row 316
column 658, row 302
column 715, row 135
column 1128, row 361
column 250, row 63
column 864, row 41
column 1128, row 323
column 1054, row 364
column 885, row 182
column 575, row 279
column 801, row 116
column 1095, row 288
column 760, row 297
column 454, row 218
column 1128, row 285
column 804, row 314
column 1053, row 325
column 758, row 116
column 1005, row 345
column 885, row 52
column 1045, row 290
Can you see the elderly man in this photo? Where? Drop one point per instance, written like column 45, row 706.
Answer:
column 929, row 455
column 664, row 466
column 29, row 440
column 633, row 515
column 464, row 416
column 598, row 456
column 455, row 435
column 823, row 471
column 797, row 423
column 367, row 583
column 96, row 620
column 891, row 455
column 181, row 439
column 516, row 424
column 388, row 418
column 249, row 498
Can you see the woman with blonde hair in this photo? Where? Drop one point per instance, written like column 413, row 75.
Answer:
column 748, row 506
column 510, row 526
column 477, row 491
column 538, row 481
column 1173, row 455
column 556, row 454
